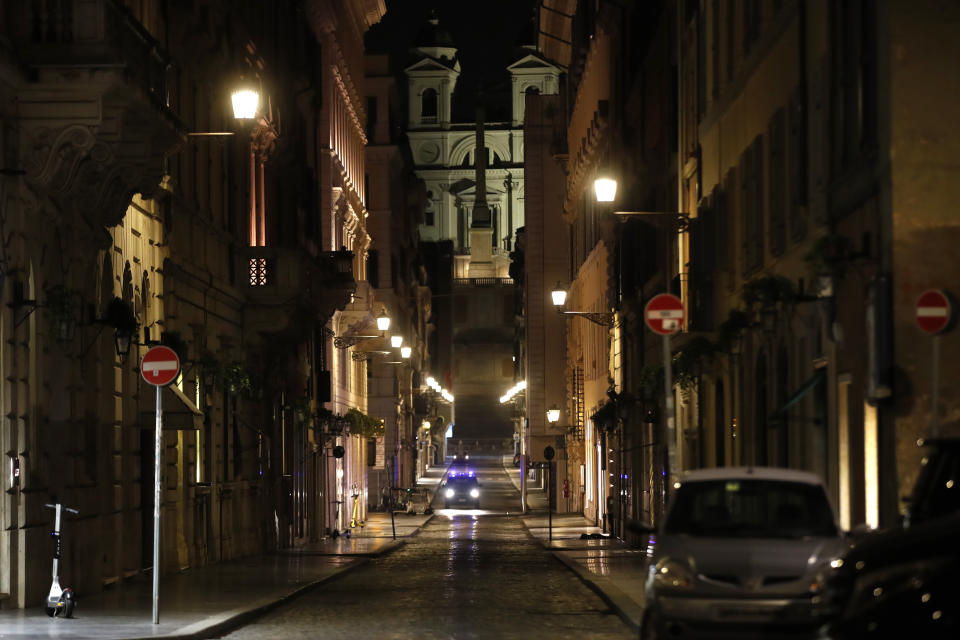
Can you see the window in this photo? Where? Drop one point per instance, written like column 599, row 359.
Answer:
column 752, row 205
column 428, row 105
column 371, row 118
column 776, row 134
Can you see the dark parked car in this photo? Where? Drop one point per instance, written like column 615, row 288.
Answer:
column 905, row 581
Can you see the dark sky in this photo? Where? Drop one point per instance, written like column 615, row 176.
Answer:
column 486, row 34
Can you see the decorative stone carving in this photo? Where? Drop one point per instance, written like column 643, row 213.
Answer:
column 83, row 174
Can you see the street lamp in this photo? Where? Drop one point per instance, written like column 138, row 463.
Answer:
column 559, row 296
column 383, row 321
column 245, row 99
column 553, row 414
column 605, row 188
column 405, row 352
column 396, row 341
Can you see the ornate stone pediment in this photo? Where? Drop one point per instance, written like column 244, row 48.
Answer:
column 86, row 175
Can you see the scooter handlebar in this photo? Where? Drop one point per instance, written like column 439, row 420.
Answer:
column 67, row 509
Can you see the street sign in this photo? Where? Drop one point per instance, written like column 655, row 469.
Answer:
column 664, row 314
column 160, row 366
column 933, row 311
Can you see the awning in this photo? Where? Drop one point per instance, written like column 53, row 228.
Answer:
column 179, row 412
column 779, row 417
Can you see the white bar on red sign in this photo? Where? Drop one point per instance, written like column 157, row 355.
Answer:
column 666, row 313
column 156, row 367
column 931, row 312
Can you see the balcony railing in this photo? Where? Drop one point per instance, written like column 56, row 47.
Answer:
column 287, row 272
column 93, row 33
column 482, row 282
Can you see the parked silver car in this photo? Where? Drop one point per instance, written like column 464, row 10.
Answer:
column 743, row 552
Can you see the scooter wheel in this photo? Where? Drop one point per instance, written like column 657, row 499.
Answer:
column 50, row 611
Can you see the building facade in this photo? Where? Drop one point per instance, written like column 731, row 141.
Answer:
column 481, row 222
column 768, row 159
column 136, row 208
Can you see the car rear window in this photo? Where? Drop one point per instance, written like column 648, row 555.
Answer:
column 751, row 509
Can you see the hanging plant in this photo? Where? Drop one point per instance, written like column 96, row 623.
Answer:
column 829, row 255
column 120, row 316
column 768, row 292
column 61, row 304
column 731, row 329
column 210, row 367
column 301, row 408
column 363, row 425
column 175, row 341
column 688, row 362
column 650, row 381
column 236, row 379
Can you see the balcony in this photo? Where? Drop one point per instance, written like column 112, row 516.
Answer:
column 280, row 281
column 94, row 110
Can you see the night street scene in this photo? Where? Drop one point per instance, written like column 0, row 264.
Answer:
column 440, row 319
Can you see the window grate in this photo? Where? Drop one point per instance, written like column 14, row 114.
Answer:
column 259, row 274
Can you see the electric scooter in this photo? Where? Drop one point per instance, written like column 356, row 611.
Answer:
column 59, row 602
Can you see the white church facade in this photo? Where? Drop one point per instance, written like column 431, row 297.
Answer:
column 444, row 152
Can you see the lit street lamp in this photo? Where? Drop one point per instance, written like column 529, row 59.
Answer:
column 559, row 296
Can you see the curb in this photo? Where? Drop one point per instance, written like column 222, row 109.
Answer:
column 236, row 618
column 624, row 606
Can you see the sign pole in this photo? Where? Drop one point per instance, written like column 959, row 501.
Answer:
column 670, row 418
column 550, row 500
column 934, row 315
column 935, row 381
column 159, row 366
column 156, row 508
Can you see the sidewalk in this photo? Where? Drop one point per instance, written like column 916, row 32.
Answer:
column 212, row 600
column 613, row 570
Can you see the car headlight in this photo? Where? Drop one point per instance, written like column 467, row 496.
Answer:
column 450, row 493
column 474, row 493
column 672, row 574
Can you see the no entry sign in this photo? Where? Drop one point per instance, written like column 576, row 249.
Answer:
column 933, row 311
column 664, row 314
column 160, row 366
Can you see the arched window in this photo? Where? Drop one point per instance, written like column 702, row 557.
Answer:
column 428, row 105
column 533, row 91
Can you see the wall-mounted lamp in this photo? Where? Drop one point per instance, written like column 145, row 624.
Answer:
column 396, row 341
column 553, row 414
column 559, row 295
column 383, row 321
column 605, row 188
column 245, row 100
column 405, row 352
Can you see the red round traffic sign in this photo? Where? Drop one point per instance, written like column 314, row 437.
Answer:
column 933, row 311
column 160, row 366
column 664, row 314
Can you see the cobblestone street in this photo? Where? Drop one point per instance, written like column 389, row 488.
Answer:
column 468, row 574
